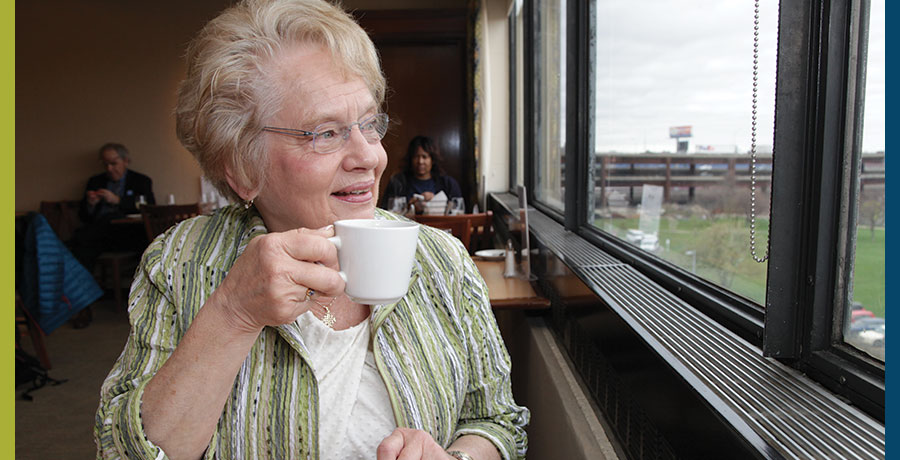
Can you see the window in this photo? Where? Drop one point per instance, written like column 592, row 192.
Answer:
column 517, row 98
column 550, row 101
column 641, row 137
column 863, row 326
column 671, row 160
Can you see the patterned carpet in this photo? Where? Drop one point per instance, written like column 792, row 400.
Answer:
column 58, row 423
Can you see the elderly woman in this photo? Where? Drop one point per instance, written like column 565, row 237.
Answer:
column 422, row 177
column 228, row 357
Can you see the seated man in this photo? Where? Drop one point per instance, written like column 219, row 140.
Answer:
column 117, row 191
column 107, row 196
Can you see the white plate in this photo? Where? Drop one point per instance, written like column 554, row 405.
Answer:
column 491, row 254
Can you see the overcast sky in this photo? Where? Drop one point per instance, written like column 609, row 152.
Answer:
column 666, row 64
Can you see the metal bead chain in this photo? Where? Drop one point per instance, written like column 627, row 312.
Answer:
column 753, row 141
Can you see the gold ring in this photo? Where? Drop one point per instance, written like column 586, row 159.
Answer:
column 309, row 294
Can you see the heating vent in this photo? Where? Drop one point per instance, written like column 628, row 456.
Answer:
column 792, row 414
column 634, row 429
column 578, row 252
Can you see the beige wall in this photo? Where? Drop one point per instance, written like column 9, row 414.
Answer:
column 93, row 71
column 565, row 421
column 494, row 146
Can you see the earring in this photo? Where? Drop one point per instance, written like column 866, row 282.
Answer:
column 248, row 204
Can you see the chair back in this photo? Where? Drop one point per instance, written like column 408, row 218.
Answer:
column 158, row 218
column 474, row 230
column 482, row 231
column 62, row 217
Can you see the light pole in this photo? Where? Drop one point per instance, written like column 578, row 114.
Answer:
column 693, row 255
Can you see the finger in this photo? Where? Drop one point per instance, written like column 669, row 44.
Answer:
column 415, row 443
column 390, row 446
column 311, row 245
column 321, row 279
column 292, row 257
column 325, row 232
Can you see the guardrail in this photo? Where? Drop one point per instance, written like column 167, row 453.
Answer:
column 697, row 170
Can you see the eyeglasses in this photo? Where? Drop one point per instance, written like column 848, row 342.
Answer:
column 330, row 137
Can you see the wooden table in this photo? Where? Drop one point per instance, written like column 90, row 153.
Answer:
column 127, row 220
column 509, row 293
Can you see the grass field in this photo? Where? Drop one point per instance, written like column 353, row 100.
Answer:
column 723, row 255
column 868, row 273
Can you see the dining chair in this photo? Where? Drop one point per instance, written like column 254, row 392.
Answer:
column 63, row 217
column 158, row 218
column 26, row 324
column 482, row 232
column 474, row 230
column 112, row 266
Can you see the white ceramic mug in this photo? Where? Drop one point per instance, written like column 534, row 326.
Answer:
column 376, row 258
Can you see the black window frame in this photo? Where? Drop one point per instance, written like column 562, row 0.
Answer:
column 800, row 325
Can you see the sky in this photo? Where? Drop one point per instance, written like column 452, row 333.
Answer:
column 690, row 63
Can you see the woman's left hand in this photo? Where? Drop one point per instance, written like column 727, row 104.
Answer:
column 410, row 444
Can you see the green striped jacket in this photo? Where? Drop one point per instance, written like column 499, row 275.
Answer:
column 438, row 350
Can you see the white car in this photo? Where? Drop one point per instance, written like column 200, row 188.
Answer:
column 872, row 337
column 634, row 236
column 646, row 241
column 649, row 243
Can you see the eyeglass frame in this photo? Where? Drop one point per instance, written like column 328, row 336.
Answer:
column 344, row 132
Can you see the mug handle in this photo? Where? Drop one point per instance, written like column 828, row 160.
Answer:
column 336, row 241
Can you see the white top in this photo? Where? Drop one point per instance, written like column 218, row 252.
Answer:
column 355, row 412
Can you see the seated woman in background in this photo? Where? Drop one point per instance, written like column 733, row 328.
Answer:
column 233, row 352
column 422, row 178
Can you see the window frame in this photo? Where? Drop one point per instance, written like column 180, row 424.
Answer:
column 806, row 291
column 514, row 135
column 801, row 324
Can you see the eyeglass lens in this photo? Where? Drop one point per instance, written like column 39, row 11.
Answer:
column 331, row 136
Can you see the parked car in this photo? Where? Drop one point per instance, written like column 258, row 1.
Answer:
column 865, row 324
column 866, row 333
column 649, row 243
column 873, row 337
column 857, row 311
column 634, row 236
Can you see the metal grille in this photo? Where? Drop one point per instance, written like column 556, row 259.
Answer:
column 790, row 412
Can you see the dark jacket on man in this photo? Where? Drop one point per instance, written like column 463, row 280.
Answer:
column 136, row 184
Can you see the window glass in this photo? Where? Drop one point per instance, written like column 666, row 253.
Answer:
column 673, row 116
column 550, row 100
column 518, row 17
column 865, row 328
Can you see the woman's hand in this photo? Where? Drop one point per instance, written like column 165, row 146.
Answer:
column 266, row 286
column 410, row 444
column 268, row 283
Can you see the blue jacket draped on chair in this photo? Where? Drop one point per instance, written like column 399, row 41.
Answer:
column 55, row 284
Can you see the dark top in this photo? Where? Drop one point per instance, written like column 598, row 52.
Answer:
column 402, row 184
column 133, row 184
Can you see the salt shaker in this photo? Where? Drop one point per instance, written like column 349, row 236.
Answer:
column 510, row 270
